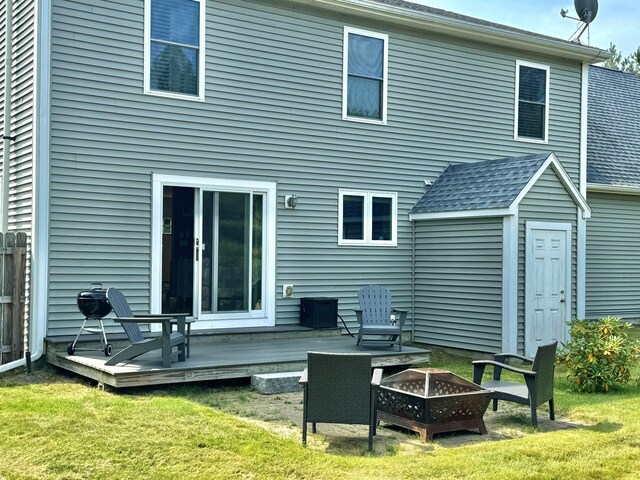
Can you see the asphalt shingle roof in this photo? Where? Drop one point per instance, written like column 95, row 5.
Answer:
column 480, row 185
column 613, row 131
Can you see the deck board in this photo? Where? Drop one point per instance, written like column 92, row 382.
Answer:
column 216, row 361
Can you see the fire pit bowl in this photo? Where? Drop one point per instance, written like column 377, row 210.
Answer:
column 429, row 401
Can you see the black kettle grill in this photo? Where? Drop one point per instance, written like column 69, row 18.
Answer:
column 93, row 305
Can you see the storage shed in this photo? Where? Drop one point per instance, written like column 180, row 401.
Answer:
column 497, row 253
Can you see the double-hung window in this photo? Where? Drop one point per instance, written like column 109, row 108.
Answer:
column 532, row 102
column 364, row 96
column 174, row 48
column 367, row 218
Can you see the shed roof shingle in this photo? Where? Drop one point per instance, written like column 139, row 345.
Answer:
column 613, row 128
column 482, row 185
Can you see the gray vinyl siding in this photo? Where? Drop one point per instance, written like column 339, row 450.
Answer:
column 613, row 256
column 272, row 112
column 458, row 291
column 547, row 201
column 22, row 105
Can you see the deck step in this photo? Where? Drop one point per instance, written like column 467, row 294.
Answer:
column 272, row 383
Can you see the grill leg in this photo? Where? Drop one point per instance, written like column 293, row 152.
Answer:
column 73, row 345
column 104, row 335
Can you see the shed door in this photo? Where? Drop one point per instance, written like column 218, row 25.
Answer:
column 547, row 284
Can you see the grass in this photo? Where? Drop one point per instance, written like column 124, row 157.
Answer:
column 58, row 427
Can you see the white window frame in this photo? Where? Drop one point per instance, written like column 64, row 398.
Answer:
column 201, row 56
column 516, row 135
column 345, row 74
column 368, row 196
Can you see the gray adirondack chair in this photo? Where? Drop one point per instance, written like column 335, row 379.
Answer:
column 140, row 344
column 339, row 388
column 374, row 317
column 538, row 386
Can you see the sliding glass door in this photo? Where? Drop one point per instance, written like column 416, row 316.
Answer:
column 216, row 249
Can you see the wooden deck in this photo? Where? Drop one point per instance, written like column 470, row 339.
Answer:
column 212, row 359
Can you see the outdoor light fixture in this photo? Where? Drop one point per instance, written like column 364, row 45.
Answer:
column 290, row 201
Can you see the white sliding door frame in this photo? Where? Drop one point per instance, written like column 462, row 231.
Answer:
column 264, row 317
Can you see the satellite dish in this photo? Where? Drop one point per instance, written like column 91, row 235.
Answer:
column 586, row 10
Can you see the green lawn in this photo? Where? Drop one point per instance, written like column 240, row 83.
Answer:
column 52, row 426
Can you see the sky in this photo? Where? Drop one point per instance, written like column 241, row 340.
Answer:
column 617, row 21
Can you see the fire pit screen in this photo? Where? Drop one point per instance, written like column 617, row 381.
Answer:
column 429, row 400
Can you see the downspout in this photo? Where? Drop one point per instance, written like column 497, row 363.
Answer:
column 6, row 132
column 40, row 186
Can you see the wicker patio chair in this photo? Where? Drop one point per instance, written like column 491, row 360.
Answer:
column 538, row 386
column 339, row 388
column 140, row 344
column 374, row 317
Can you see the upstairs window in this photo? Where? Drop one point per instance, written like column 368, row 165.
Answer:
column 174, row 48
column 532, row 102
column 367, row 218
column 364, row 96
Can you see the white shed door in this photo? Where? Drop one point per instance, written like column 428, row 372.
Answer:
column 548, row 284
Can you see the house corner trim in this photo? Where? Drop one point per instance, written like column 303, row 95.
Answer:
column 41, row 168
column 510, row 283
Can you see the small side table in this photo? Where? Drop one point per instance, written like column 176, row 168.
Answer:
column 187, row 322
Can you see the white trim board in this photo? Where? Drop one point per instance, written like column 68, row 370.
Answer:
column 581, row 268
column 510, row 283
column 584, row 106
column 41, row 169
column 479, row 213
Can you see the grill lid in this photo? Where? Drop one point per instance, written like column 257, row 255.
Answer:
column 93, row 303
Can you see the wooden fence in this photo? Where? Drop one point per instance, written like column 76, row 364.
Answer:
column 13, row 254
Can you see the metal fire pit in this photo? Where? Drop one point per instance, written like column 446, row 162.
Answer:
column 429, row 401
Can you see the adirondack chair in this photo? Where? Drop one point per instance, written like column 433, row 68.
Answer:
column 374, row 317
column 339, row 388
column 538, row 386
column 139, row 344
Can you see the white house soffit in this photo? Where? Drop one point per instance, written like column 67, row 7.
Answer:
column 464, row 29
column 570, row 187
column 620, row 189
column 488, row 212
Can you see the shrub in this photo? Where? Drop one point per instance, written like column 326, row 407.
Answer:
column 600, row 353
